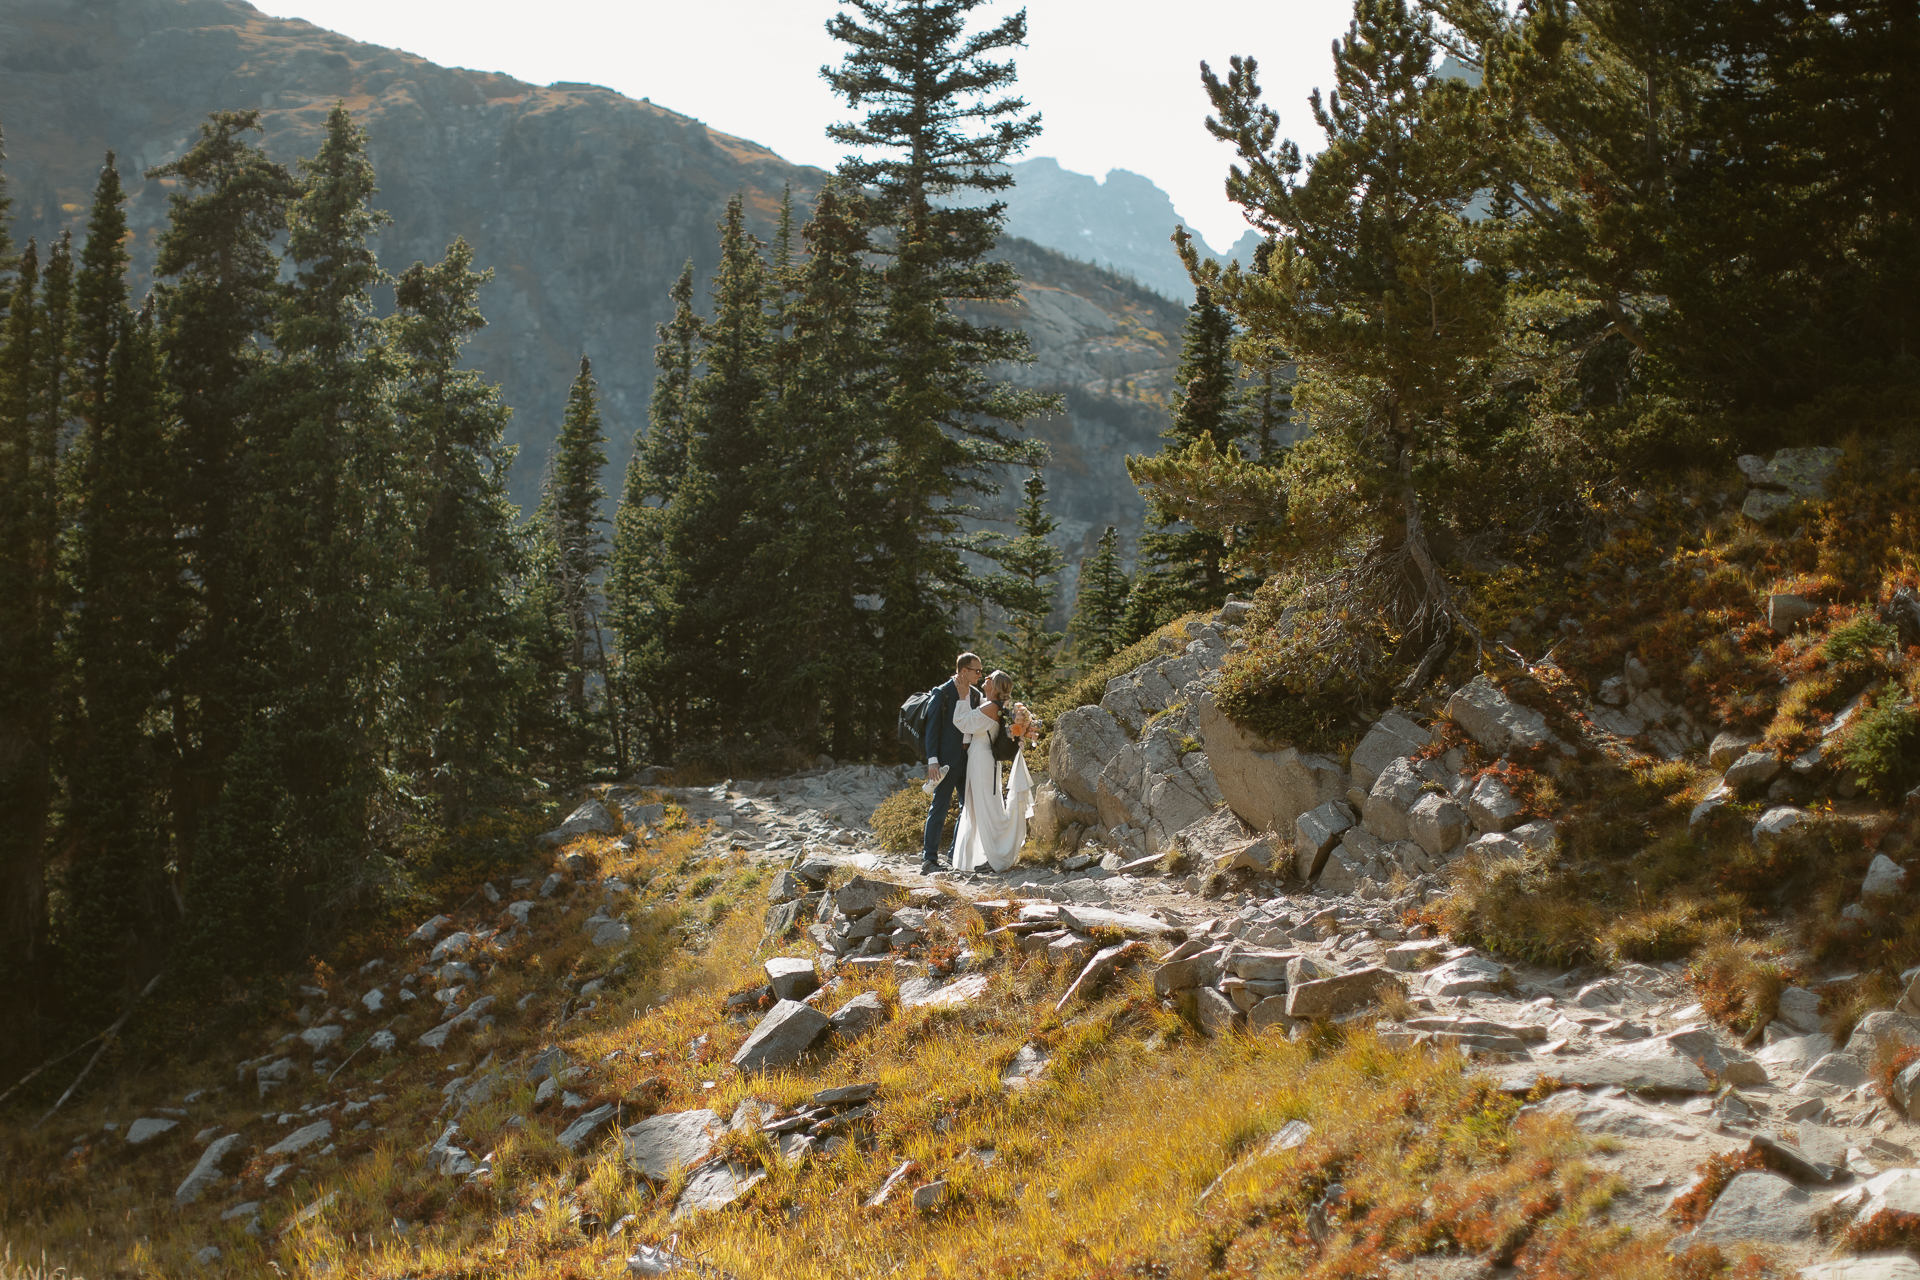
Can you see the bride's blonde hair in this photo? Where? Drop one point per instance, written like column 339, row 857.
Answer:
column 1000, row 684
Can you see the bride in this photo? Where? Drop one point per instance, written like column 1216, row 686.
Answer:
column 992, row 827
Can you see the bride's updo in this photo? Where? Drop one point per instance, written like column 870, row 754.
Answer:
column 999, row 686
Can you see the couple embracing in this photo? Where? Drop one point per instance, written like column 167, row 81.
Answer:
column 962, row 727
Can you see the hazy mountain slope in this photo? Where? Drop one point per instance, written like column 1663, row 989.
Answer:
column 1124, row 223
column 584, row 202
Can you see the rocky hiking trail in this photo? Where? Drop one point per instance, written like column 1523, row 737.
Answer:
column 704, row 1028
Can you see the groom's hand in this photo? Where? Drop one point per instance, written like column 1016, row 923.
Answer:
column 933, row 771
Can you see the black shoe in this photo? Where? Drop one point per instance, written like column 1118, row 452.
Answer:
column 927, row 869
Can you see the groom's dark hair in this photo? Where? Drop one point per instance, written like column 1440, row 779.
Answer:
column 964, row 659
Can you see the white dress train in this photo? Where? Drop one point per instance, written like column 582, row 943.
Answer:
column 992, row 827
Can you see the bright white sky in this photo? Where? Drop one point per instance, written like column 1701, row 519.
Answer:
column 1117, row 81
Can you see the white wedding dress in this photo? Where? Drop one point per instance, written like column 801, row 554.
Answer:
column 992, row 827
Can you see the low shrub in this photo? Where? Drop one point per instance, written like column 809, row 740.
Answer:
column 1884, row 747
column 1691, row 1206
column 1885, row 1231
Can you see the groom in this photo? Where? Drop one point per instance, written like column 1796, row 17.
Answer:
column 947, row 745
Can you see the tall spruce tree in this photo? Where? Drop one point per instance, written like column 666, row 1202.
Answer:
column 218, row 291
column 27, row 504
column 459, row 672
column 127, row 614
column 1029, row 564
column 577, row 552
column 818, row 657
column 643, row 584
column 1100, row 604
column 1183, row 568
column 934, row 126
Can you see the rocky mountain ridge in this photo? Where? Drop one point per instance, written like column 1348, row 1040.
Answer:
column 585, row 203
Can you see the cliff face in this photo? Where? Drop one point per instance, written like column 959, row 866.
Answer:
column 585, row 203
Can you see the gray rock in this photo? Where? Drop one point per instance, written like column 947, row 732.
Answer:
column 1316, row 831
column 783, row 1037
column 1774, row 825
column 953, row 995
column 1201, row 969
column 1802, row 472
column 1084, row 739
column 1716, row 802
column 1793, row 1055
column 1764, row 504
column 1895, row 1189
column 1882, row 1025
column 1822, row 1144
column 1258, row 964
column 1331, row 997
column 1098, row 968
column 791, row 978
column 1728, row 1064
column 1885, row 877
column 591, row 818
column 586, row 1128
column 609, row 933
column 861, row 895
column 1267, row 787
column 1437, row 824
column 715, row 1187
column 1494, row 720
column 1754, row 769
column 206, row 1172
column 1392, row 737
column 1215, row 1013
column 1492, row 806
column 1834, row 1073
column 786, row 887
column 1756, row 1206
column 1800, row 1009
column 1465, row 976
column 1786, row 611
column 1727, row 747
column 1394, row 793
column 1271, row 1015
column 655, row 1148
column 320, row 1039
column 930, row 1196
column 1661, row 1071
column 1025, row 1069
column 302, row 1138
column 147, row 1128
column 858, row 1016
column 1602, row 1114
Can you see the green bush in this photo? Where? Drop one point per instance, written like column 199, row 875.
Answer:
column 1853, row 644
column 1884, row 747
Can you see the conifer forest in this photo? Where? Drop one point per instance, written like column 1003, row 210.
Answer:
column 278, row 648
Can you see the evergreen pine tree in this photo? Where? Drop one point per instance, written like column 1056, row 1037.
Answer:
column 1029, row 564
column 818, row 658
column 217, row 294
column 933, row 127
column 1100, row 603
column 571, row 509
column 642, row 583
column 1182, row 568
column 131, row 611
column 26, row 587
column 460, row 669
column 335, row 535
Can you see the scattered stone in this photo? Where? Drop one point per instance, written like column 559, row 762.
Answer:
column 147, row 1128
column 1786, row 611
column 1494, row 720
column 1754, row 769
column 783, row 1037
column 655, row 1148
column 1882, row 1025
column 1103, row 963
column 1214, row 1012
column 1727, row 747
column 954, row 995
column 586, row 1128
column 1885, row 877
column 1775, row 823
column 427, row 932
column 1025, row 1069
column 206, row 1172
column 894, row 1179
column 1657, row 1068
column 715, row 1187
column 1331, row 997
column 1592, row 1113
column 320, row 1039
column 1492, row 806
column 1896, row 1189
column 1392, row 737
column 929, row 1196
column 791, row 978
column 858, row 1016
column 591, row 818
column 1800, row 1009
column 1756, row 1206
column 1316, row 832
column 1465, row 976
column 861, row 895
column 1868, row 1266
column 1437, row 824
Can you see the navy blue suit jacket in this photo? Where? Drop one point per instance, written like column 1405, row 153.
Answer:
column 942, row 740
